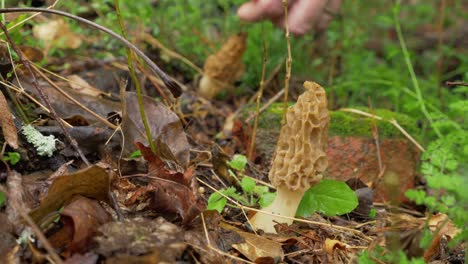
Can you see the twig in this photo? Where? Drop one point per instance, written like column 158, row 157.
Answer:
column 156, row 44
column 43, row 95
column 28, row 18
column 153, row 79
column 266, row 105
column 205, row 229
column 243, row 207
column 288, row 62
column 392, row 121
column 35, row 229
column 21, row 91
column 69, row 97
column 173, row 87
column 456, row 83
column 259, row 97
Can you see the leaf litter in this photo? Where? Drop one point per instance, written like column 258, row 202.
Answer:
column 163, row 207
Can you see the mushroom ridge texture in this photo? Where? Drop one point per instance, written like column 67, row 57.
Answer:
column 300, row 157
column 300, row 152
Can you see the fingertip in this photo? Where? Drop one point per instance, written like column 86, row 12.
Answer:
column 249, row 12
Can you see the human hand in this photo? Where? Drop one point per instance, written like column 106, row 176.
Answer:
column 303, row 15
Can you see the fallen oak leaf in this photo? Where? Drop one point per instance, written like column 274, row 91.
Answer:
column 92, row 182
column 81, row 220
column 165, row 126
column 256, row 248
column 157, row 167
column 170, row 191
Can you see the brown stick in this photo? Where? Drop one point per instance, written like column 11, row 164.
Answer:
column 170, row 84
column 43, row 95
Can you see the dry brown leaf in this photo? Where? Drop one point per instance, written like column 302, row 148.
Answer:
column 92, row 182
column 448, row 228
column 31, row 53
column 170, row 191
column 85, row 216
column 56, row 33
column 331, row 244
column 6, row 123
column 256, row 246
column 166, row 130
column 82, row 86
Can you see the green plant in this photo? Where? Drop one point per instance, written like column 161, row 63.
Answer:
column 251, row 194
column 136, row 154
column 443, row 166
column 12, row 157
column 383, row 256
column 329, row 197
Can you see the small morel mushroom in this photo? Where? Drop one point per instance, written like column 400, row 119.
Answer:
column 224, row 67
column 300, row 156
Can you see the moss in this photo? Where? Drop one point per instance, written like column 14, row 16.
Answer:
column 342, row 123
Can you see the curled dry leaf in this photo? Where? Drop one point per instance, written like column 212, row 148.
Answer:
column 92, row 182
column 81, row 220
column 442, row 224
column 224, row 67
column 6, row 123
column 256, row 247
column 331, row 244
column 170, row 191
column 82, row 86
column 165, row 126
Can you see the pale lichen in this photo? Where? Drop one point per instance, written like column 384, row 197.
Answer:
column 44, row 145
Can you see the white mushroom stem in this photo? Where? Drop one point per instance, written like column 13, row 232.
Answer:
column 285, row 204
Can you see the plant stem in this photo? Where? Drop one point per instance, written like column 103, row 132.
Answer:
column 288, row 63
column 135, row 80
column 396, row 10
column 259, row 97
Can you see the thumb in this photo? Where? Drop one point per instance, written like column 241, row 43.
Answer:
column 256, row 10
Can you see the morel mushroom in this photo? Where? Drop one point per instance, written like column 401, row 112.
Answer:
column 300, row 156
column 224, row 67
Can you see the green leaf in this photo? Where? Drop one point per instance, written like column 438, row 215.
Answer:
column 2, row 198
column 260, row 190
column 238, row 162
column 216, row 202
column 266, row 199
column 13, row 157
column 328, row 197
column 248, row 185
column 372, row 213
column 136, row 154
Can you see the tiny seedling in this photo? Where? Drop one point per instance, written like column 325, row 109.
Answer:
column 135, row 154
column 12, row 157
column 251, row 194
column 329, row 197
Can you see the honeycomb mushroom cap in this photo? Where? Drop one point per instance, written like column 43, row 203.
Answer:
column 226, row 64
column 300, row 153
